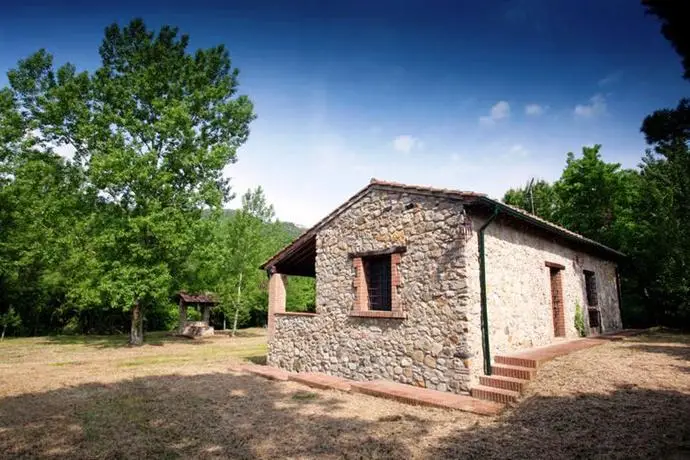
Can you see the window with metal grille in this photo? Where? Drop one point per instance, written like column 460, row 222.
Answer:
column 591, row 287
column 594, row 318
column 377, row 270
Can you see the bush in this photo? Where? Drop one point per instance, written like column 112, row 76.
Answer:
column 580, row 320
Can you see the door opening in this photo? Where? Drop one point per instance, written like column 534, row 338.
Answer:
column 557, row 306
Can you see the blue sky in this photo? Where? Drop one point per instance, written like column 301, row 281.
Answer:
column 468, row 95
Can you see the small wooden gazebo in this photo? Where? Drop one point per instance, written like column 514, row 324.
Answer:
column 204, row 302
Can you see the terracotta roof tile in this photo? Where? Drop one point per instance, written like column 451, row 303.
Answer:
column 441, row 192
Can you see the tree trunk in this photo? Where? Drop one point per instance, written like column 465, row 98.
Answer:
column 4, row 328
column 237, row 306
column 136, row 334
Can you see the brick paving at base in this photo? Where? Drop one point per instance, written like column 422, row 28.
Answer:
column 321, row 381
column 381, row 388
column 425, row 397
column 510, row 373
column 271, row 373
column 549, row 352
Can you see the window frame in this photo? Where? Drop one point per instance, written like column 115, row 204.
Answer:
column 378, row 273
column 362, row 306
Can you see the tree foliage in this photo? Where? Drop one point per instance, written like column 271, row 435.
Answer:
column 152, row 130
column 674, row 17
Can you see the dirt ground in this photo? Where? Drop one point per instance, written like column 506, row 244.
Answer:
column 93, row 397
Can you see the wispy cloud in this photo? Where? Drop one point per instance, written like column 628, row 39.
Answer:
column 534, row 109
column 596, row 107
column 499, row 111
column 518, row 150
column 406, row 143
column 610, row 78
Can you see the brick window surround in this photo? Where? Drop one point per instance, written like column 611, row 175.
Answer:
column 362, row 304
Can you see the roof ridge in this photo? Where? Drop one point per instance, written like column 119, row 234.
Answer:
column 373, row 183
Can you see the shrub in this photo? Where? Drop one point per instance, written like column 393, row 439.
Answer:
column 580, row 320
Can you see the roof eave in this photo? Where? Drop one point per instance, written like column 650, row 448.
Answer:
column 550, row 227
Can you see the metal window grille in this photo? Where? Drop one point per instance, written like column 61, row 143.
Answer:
column 594, row 320
column 591, row 286
column 378, row 272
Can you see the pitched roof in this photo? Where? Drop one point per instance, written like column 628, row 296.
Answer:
column 197, row 298
column 471, row 198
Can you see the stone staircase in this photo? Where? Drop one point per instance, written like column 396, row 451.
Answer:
column 509, row 378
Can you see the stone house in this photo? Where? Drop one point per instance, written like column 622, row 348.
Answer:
column 423, row 286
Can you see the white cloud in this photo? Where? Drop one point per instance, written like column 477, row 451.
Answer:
column 534, row 109
column 596, row 106
column 406, row 143
column 499, row 111
column 610, row 78
column 518, row 150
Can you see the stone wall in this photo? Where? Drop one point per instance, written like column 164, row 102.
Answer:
column 519, row 290
column 429, row 348
column 438, row 344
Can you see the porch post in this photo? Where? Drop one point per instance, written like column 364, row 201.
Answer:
column 205, row 313
column 183, row 316
column 276, row 299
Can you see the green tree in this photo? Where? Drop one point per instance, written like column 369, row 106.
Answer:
column 9, row 319
column 152, row 129
column 664, row 242
column 244, row 245
column 596, row 198
column 537, row 197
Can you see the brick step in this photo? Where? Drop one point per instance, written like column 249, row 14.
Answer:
column 516, row 372
column 498, row 395
column 320, row 381
column 504, row 383
column 515, row 361
column 271, row 373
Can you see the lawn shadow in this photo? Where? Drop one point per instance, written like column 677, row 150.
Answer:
column 673, row 344
column 259, row 359
column 210, row 415
column 627, row 423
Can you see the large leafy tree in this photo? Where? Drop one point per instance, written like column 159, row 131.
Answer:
column 596, row 198
column 152, row 129
column 537, row 197
column 40, row 201
column 664, row 213
column 664, row 246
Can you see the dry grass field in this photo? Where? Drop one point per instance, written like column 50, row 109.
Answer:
column 94, row 397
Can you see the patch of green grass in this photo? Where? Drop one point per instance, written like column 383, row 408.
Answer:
column 68, row 363
column 304, row 395
column 152, row 360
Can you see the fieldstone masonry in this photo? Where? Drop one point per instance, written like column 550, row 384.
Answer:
column 436, row 343
column 429, row 347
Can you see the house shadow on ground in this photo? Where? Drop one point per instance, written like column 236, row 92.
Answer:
column 203, row 416
column 628, row 423
column 244, row 416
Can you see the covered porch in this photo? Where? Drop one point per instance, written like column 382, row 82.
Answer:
column 296, row 259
